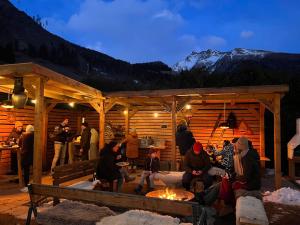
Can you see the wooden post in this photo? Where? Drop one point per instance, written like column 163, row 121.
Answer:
column 277, row 141
column 126, row 112
column 38, row 130
column 101, row 125
column 173, row 126
column 262, row 132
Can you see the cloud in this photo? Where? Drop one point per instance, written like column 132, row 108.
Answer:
column 246, row 34
column 212, row 41
column 168, row 15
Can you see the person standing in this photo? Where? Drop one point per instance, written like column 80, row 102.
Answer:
column 14, row 136
column 26, row 144
column 93, row 152
column 85, row 141
column 196, row 164
column 132, row 148
column 60, row 147
column 184, row 140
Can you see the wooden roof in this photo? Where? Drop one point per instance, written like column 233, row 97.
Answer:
column 58, row 87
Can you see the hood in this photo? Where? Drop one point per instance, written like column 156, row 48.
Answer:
column 295, row 141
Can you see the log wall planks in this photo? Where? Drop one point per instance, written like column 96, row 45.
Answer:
column 144, row 121
column 202, row 122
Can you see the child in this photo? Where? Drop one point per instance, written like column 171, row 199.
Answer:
column 151, row 170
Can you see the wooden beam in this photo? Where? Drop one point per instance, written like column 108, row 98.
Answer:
column 101, row 125
column 50, row 107
column 267, row 103
column 38, row 131
column 133, row 112
column 110, row 105
column 277, row 141
column 96, row 106
column 199, row 91
column 173, row 140
column 262, row 133
column 181, row 104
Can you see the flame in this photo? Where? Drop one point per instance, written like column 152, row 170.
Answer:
column 169, row 194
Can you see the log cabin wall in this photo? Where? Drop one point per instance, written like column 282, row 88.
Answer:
column 201, row 124
column 8, row 117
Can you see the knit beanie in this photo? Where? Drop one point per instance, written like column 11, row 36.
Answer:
column 197, row 147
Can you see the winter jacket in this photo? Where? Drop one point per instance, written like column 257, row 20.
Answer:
column 184, row 141
column 227, row 156
column 59, row 134
column 152, row 165
column 132, row 146
column 193, row 161
column 251, row 170
column 26, row 147
column 85, row 139
column 107, row 168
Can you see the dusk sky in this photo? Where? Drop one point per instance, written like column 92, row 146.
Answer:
column 169, row 30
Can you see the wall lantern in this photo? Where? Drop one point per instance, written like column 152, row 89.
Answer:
column 19, row 97
column 155, row 115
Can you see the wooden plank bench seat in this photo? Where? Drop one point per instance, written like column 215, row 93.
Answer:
column 250, row 211
column 39, row 192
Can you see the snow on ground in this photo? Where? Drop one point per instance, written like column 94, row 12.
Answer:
column 139, row 217
column 286, row 196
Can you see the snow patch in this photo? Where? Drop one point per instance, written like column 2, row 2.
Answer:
column 286, row 196
column 139, row 217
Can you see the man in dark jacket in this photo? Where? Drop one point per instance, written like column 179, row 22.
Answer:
column 26, row 147
column 85, row 141
column 107, row 168
column 150, row 171
column 247, row 170
column 196, row 164
column 184, row 140
column 14, row 136
column 60, row 146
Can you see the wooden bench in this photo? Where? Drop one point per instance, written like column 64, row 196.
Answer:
column 39, row 192
column 68, row 172
column 73, row 171
column 250, row 211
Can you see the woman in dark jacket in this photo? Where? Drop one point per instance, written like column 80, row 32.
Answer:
column 85, row 141
column 26, row 147
column 107, row 168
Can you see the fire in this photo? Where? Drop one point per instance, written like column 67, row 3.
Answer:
column 169, row 194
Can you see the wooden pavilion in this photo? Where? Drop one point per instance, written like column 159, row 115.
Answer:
column 152, row 113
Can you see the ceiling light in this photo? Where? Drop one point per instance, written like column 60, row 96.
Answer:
column 224, row 125
column 72, row 104
column 188, row 106
column 33, row 101
column 155, row 115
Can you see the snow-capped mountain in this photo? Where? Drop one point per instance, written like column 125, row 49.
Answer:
column 211, row 59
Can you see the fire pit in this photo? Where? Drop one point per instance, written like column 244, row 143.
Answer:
column 171, row 194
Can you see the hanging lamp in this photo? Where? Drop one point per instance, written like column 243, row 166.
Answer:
column 19, row 97
column 224, row 124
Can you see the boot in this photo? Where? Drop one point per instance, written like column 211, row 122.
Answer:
column 138, row 189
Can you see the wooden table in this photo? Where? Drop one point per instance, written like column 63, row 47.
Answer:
column 17, row 149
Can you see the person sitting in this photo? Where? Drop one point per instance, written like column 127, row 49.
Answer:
column 107, row 168
column 151, row 169
column 184, row 140
column 247, row 169
column 196, row 164
column 226, row 163
column 120, row 157
column 26, row 148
